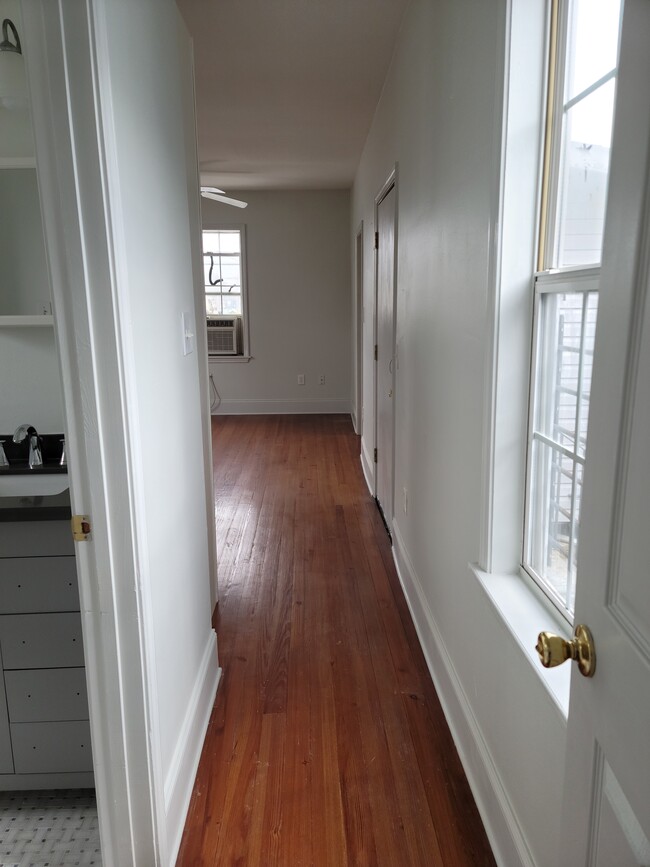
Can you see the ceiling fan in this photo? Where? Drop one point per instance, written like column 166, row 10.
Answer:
column 220, row 196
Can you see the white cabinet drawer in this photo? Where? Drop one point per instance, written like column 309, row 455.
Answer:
column 41, row 641
column 35, row 538
column 52, row 747
column 44, row 695
column 33, row 584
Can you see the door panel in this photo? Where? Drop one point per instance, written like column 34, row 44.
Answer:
column 385, row 351
column 617, row 837
column 607, row 783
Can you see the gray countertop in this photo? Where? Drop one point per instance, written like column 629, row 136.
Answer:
column 54, row 508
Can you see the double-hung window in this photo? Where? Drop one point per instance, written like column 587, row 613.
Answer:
column 581, row 93
column 225, row 291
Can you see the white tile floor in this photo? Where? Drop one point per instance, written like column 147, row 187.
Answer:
column 49, row 829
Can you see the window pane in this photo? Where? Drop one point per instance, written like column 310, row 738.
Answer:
column 215, row 274
column 592, row 43
column 590, row 318
column 230, row 242
column 577, row 493
column 230, row 270
column 232, row 304
column 211, row 242
column 550, row 515
column 582, row 191
column 213, row 305
column 557, row 387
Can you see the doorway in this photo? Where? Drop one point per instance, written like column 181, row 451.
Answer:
column 357, row 402
column 385, row 281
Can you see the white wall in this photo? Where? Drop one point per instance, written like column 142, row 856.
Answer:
column 439, row 118
column 143, row 93
column 24, row 286
column 298, row 269
column 30, row 382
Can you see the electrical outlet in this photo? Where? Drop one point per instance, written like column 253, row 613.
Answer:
column 405, row 501
column 321, row 379
column 301, row 379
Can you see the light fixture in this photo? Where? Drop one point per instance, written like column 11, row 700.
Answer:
column 13, row 83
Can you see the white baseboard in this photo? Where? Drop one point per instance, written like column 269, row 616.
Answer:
column 308, row 406
column 367, row 465
column 501, row 824
column 182, row 772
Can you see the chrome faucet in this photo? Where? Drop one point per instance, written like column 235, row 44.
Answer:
column 35, row 454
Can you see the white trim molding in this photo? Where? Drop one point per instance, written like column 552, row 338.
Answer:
column 282, row 406
column 185, row 761
column 367, row 465
column 504, row 831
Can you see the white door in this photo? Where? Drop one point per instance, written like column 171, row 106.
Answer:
column 385, row 351
column 607, row 784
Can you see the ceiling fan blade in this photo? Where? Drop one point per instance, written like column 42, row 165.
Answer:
column 226, row 200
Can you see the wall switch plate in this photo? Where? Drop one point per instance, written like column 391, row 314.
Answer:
column 301, row 379
column 189, row 337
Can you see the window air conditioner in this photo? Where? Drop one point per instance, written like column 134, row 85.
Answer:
column 223, row 335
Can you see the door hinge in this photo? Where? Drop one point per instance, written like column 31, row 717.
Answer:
column 375, row 455
column 376, row 348
column 81, row 528
column 376, row 240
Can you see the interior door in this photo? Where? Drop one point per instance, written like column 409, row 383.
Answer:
column 607, row 784
column 385, row 351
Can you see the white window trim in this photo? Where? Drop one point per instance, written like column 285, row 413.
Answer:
column 245, row 317
column 524, row 609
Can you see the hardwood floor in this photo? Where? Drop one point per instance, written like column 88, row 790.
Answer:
column 327, row 745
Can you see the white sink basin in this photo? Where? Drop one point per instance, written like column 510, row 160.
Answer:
column 33, row 485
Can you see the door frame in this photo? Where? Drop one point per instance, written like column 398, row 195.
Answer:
column 390, row 182
column 64, row 67
column 359, row 322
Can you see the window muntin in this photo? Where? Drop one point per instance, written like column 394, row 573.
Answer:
column 222, row 272
column 583, row 76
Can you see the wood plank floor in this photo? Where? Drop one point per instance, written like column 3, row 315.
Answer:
column 327, row 745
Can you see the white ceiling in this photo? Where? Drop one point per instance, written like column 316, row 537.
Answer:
column 286, row 89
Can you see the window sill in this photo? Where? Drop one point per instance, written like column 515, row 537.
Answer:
column 230, row 359
column 526, row 616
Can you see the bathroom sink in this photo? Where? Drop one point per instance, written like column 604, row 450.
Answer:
column 32, row 484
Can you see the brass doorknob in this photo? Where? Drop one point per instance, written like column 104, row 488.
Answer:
column 554, row 650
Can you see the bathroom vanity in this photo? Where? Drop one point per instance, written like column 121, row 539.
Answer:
column 44, row 728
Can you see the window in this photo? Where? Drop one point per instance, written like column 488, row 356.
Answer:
column 582, row 81
column 225, row 291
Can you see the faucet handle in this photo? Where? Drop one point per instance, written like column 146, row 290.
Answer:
column 35, row 453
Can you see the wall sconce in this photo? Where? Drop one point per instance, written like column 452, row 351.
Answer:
column 13, row 83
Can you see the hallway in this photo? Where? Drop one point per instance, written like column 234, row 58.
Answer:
column 327, row 744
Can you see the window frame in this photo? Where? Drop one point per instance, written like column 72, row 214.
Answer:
column 245, row 354
column 550, row 277
column 582, row 282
